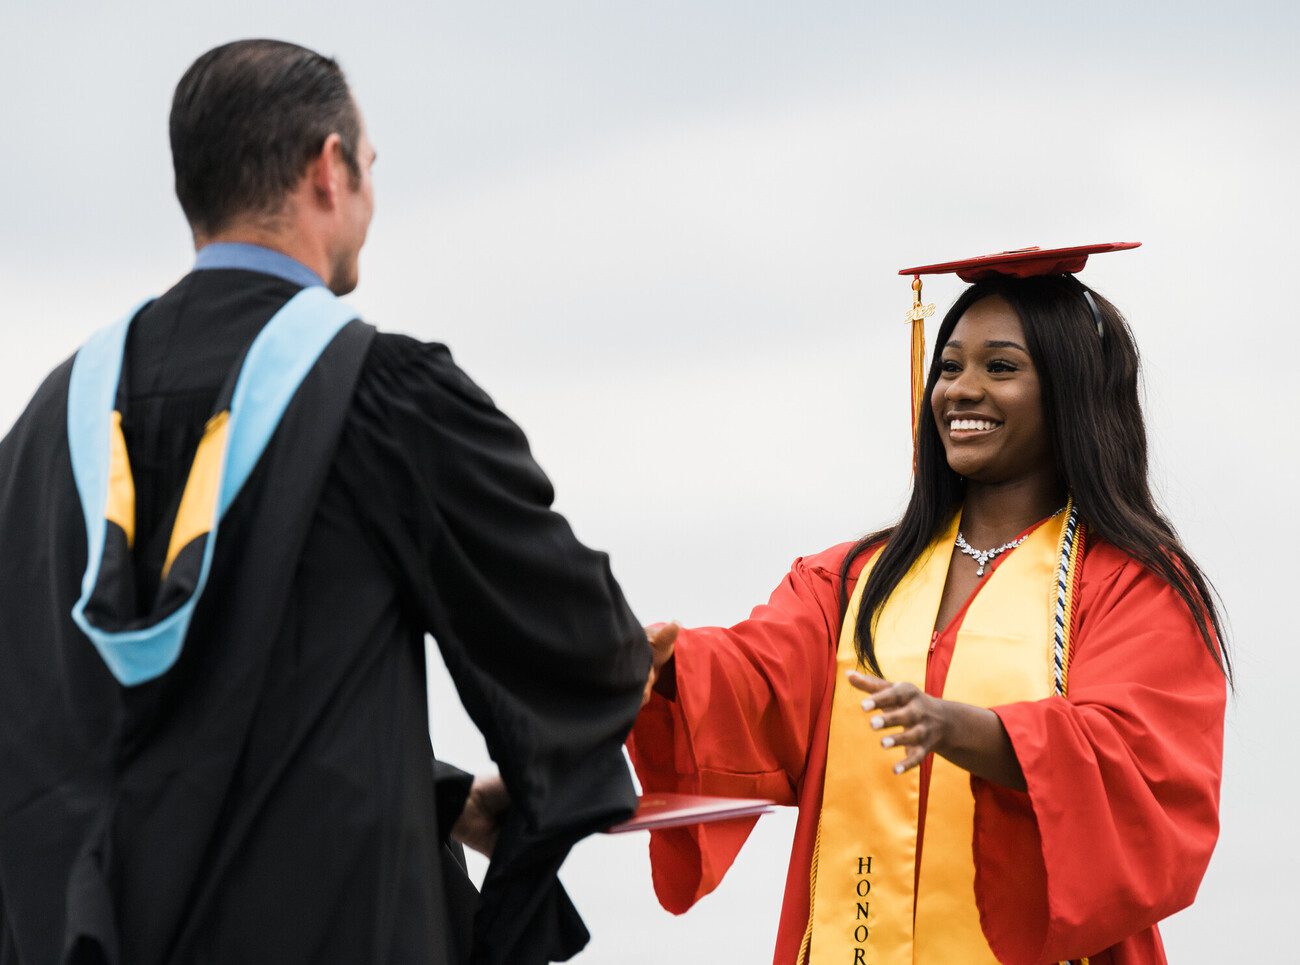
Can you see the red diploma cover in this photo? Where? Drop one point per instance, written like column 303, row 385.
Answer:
column 657, row 811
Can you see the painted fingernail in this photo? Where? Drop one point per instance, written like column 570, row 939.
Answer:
column 887, row 742
column 877, row 723
column 868, row 704
column 898, row 768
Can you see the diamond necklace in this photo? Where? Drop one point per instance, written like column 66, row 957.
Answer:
column 985, row 557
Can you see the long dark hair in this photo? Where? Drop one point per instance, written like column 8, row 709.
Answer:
column 1094, row 418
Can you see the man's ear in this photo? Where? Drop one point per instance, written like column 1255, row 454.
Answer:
column 325, row 172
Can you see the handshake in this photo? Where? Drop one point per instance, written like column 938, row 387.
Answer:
column 488, row 800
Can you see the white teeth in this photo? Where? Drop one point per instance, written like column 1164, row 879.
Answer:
column 971, row 425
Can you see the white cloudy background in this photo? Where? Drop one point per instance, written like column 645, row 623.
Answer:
column 664, row 236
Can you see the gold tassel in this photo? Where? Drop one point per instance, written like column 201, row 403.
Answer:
column 917, row 316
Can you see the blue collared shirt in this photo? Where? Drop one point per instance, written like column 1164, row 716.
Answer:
column 238, row 254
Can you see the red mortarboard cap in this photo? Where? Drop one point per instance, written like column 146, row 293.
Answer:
column 1021, row 263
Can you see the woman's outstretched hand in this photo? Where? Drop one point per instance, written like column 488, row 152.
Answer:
column 971, row 737
column 661, row 637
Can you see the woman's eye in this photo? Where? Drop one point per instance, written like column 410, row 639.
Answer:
column 1001, row 365
column 948, row 365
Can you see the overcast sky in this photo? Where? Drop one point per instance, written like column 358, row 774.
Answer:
column 665, row 236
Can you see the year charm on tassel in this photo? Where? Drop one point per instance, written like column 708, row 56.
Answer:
column 917, row 316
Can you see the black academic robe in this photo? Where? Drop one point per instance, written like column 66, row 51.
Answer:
column 271, row 797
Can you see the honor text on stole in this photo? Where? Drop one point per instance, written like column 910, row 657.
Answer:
column 862, row 912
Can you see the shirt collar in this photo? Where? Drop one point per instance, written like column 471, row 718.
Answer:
column 268, row 261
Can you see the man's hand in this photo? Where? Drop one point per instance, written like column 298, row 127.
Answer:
column 479, row 823
column 661, row 637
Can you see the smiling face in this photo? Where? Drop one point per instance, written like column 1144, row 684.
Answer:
column 988, row 402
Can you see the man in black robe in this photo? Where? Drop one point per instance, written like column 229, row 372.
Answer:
column 270, row 795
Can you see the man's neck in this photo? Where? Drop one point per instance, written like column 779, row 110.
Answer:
column 292, row 245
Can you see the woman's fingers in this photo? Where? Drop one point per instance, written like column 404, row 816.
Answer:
column 918, row 736
column 882, row 690
column 868, row 682
column 898, row 705
column 904, row 716
column 914, row 757
column 894, row 695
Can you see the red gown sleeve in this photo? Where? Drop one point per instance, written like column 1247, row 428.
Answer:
column 740, row 722
column 1121, row 814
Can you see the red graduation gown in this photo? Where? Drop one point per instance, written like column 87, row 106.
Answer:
column 1121, row 814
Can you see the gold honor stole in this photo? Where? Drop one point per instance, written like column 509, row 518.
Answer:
column 869, row 905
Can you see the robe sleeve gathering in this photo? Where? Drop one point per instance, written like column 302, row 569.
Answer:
column 451, row 787
column 1121, row 813
column 739, row 724
column 543, row 650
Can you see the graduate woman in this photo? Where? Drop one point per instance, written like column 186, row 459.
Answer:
column 1001, row 718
